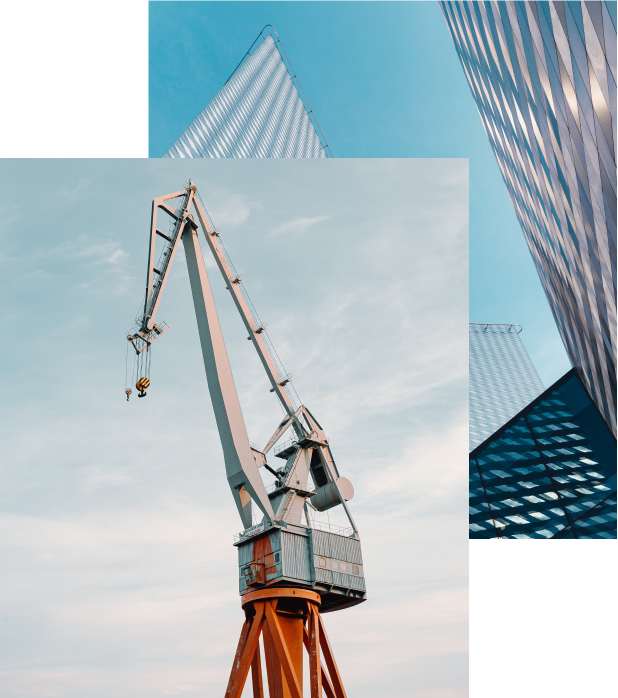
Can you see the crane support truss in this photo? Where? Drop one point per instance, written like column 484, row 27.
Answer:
column 286, row 619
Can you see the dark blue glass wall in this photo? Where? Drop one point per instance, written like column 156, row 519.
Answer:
column 550, row 472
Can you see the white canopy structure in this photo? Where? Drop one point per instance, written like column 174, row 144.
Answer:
column 258, row 113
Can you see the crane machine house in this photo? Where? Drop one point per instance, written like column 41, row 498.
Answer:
column 287, row 548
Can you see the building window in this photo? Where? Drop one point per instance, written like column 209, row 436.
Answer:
column 530, row 479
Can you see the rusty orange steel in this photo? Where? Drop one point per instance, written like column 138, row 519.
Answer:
column 287, row 619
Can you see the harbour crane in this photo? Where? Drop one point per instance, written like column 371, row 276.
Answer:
column 292, row 569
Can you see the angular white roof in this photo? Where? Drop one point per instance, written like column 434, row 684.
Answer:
column 257, row 114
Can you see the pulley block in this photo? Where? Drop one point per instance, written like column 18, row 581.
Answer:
column 141, row 385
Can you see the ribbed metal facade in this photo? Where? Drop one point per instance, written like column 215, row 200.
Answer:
column 339, row 579
column 308, row 557
column 296, row 557
column 337, row 547
column 543, row 75
column 257, row 114
column 503, row 379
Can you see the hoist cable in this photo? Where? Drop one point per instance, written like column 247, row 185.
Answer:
column 255, row 316
column 126, row 367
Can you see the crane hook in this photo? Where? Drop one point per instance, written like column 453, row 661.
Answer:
column 128, row 391
column 141, row 385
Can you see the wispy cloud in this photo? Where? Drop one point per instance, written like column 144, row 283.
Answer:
column 231, row 209
column 70, row 191
column 107, row 252
column 96, row 477
column 297, row 226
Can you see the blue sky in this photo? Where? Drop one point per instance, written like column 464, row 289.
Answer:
column 116, row 520
column 385, row 81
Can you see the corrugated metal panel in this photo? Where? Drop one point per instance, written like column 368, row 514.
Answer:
column 348, row 581
column 337, row 546
column 357, row 583
column 256, row 114
column 341, row 580
column 321, row 545
column 275, row 540
column 322, row 575
column 295, row 557
column 353, row 551
column 245, row 553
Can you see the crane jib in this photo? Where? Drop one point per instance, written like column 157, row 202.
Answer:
column 309, row 480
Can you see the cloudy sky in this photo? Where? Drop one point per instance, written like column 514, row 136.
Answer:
column 116, row 521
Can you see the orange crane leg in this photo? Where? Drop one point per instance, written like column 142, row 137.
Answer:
column 279, row 616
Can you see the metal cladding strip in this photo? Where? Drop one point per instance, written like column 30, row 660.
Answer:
column 213, row 116
column 256, row 100
column 237, row 99
column 353, row 551
column 338, row 547
column 503, row 379
column 245, row 554
column 257, row 114
column 321, row 543
column 322, row 575
column 340, row 579
column 295, row 556
column 543, row 76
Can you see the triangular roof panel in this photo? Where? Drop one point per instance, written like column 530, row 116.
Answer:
column 257, row 114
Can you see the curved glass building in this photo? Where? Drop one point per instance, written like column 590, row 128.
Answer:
column 543, row 75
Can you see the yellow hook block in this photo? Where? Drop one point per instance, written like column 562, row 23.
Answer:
column 141, row 385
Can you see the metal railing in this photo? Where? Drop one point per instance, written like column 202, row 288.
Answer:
column 304, row 486
column 347, row 532
column 252, row 531
column 486, row 325
column 321, row 526
column 285, row 445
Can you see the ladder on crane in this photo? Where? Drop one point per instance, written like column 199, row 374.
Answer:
column 291, row 569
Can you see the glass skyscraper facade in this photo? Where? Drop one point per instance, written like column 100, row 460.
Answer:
column 503, row 379
column 543, row 75
column 550, row 472
column 257, row 114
